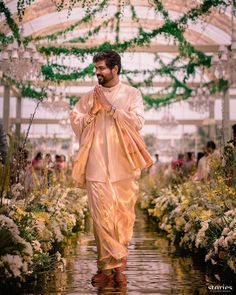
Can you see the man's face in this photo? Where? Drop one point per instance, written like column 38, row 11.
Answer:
column 104, row 74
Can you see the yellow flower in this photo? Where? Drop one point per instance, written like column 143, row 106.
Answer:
column 157, row 212
column 195, row 214
column 206, row 214
column 150, row 211
column 43, row 216
column 168, row 228
column 19, row 213
column 47, row 202
column 185, row 202
column 179, row 222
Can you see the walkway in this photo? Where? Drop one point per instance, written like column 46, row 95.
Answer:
column 153, row 268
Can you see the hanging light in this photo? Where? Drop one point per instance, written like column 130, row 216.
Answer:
column 224, row 67
column 201, row 98
column 56, row 101
column 19, row 62
column 168, row 121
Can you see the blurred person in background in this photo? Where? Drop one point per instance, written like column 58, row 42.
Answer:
column 60, row 169
column 189, row 163
column 3, row 144
column 178, row 164
column 48, row 170
column 211, row 156
column 156, row 168
column 38, row 165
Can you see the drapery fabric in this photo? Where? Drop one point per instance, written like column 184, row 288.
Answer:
column 110, row 145
column 111, row 206
column 111, row 156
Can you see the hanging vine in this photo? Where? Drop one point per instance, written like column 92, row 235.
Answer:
column 193, row 59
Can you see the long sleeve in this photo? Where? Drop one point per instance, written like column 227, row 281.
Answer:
column 79, row 116
column 135, row 114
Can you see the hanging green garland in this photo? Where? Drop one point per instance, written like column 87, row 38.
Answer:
column 92, row 32
column 21, row 5
column 48, row 73
column 86, row 19
column 11, row 23
column 5, row 40
column 58, row 73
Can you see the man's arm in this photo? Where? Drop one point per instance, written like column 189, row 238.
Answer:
column 134, row 117
column 83, row 114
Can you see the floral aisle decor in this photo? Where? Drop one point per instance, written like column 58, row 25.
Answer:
column 32, row 229
column 197, row 216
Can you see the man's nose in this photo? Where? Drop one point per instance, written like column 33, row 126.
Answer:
column 97, row 71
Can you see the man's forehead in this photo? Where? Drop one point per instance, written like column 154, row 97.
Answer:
column 100, row 63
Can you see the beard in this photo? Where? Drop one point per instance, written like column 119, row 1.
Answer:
column 103, row 79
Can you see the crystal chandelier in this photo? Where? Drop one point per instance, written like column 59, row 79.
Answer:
column 201, row 100
column 224, row 68
column 56, row 101
column 19, row 62
column 168, row 121
column 224, row 63
column 65, row 123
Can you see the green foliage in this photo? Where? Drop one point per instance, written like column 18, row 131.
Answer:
column 190, row 58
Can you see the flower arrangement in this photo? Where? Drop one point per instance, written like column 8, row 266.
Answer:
column 197, row 216
column 31, row 229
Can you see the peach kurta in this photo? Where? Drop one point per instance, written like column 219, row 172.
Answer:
column 110, row 176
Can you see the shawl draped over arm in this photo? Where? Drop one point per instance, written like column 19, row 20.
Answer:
column 128, row 123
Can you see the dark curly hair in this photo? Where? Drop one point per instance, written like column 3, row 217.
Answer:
column 111, row 58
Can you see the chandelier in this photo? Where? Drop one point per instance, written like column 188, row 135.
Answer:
column 201, row 100
column 224, row 68
column 19, row 62
column 56, row 101
column 168, row 121
column 65, row 123
column 224, row 63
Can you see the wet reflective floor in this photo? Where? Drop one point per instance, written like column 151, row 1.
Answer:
column 154, row 267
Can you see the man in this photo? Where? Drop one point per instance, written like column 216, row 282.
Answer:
column 111, row 155
column 3, row 144
column 156, row 168
column 212, row 156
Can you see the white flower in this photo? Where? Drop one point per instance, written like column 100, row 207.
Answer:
column 221, row 241
column 215, row 244
column 36, row 246
column 9, row 224
column 213, row 261
column 230, row 212
column 201, row 233
column 15, row 264
column 16, row 189
column 58, row 256
column 209, row 255
column 225, row 231
column 232, row 264
column 233, row 223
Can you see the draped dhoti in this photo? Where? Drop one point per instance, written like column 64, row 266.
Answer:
column 111, row 206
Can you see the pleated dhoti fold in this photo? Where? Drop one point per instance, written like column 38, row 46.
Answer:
column 111, row 206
